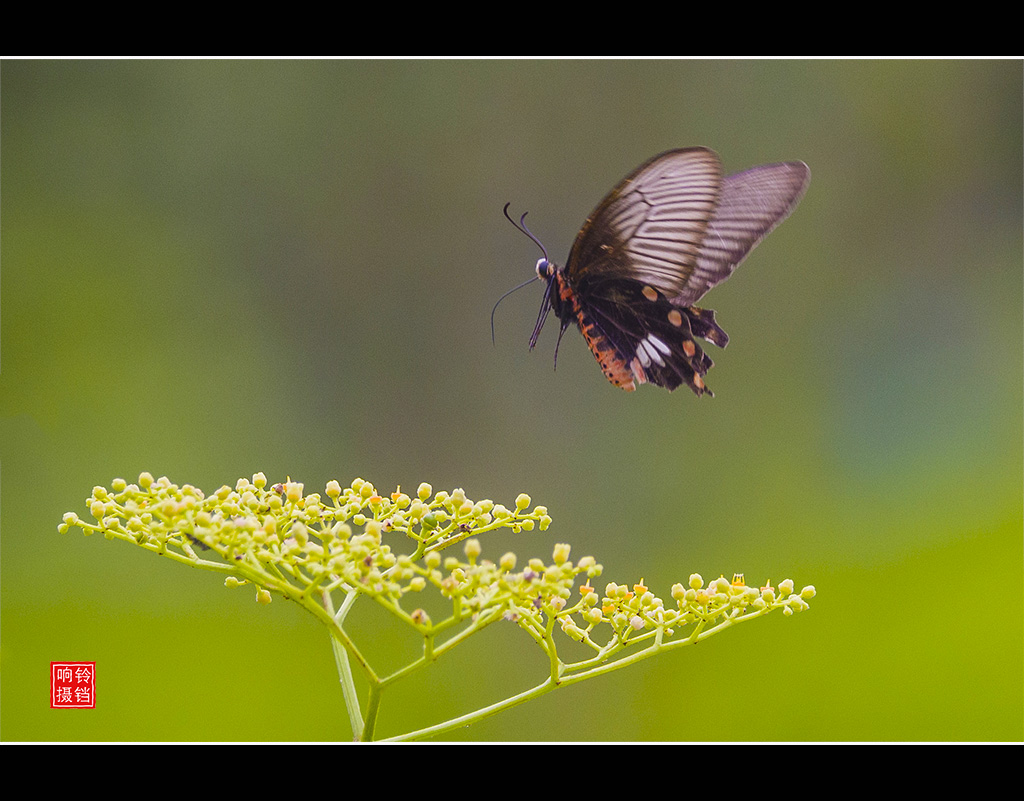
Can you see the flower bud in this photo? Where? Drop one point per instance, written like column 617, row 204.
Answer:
column 420, row 617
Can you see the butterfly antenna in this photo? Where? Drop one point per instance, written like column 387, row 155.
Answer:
column 525, row 283
column 521, row 225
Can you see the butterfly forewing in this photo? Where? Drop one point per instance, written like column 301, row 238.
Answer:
column 650, row 228
column 751, row 205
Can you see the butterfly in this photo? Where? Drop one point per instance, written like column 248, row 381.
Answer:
column 667, row 233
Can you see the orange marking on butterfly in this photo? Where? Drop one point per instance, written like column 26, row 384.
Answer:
column 689, row 348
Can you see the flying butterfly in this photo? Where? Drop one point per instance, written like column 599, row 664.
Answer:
column 670, row 231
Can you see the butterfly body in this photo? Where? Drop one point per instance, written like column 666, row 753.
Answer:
column 664, row 236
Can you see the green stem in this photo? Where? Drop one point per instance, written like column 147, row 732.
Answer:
column 549, row 646
column 555, row 681
column 371, row 713
column 348, row 687
column 465, row 720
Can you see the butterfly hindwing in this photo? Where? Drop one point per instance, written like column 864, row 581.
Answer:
column 639, row 337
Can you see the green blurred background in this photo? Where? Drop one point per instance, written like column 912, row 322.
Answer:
column 213, row 268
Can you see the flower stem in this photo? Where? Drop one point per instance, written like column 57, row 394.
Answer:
column 348, row 687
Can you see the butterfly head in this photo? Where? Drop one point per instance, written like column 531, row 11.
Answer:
column 546, row 270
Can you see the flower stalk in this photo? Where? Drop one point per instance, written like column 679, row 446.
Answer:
column 328, row 552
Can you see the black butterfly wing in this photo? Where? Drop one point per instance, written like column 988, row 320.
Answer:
column 751, row 204
column 650, row 227
column 638, row 336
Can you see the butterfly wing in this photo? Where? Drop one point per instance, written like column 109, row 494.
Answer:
column 751, row 204
column 639, row 336
column 650, row 227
